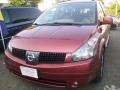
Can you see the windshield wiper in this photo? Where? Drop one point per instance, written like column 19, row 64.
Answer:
column 36, row 24
column 42, row 24
column 66, row 23
column 57, row 23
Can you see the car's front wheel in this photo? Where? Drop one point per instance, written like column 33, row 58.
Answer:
column 107, row 42
column 100, row 74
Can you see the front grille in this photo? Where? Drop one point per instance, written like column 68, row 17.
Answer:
column 48, row 57
column 44, row 57
column 19, row 53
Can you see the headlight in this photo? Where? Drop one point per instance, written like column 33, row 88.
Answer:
column 87, row 50
column 9, row 47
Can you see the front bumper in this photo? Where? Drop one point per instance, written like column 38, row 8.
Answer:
column 58, row 75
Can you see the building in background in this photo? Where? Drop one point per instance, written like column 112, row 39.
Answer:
column 44, row 4
column 4, row 3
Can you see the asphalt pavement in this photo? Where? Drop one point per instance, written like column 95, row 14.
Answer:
column 110, row 81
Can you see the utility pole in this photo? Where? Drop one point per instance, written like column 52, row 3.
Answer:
column 2, row 38
column 116, row 7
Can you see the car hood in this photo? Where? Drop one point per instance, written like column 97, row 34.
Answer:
column 53, row 38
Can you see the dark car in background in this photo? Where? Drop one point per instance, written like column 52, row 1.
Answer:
column 18, row 18
column 65, row 47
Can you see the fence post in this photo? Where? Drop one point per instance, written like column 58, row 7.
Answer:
column 2, row 38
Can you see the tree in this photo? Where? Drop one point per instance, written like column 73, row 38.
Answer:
column 18, row 2
column 112, row 9
column 24, row 2
column 34, row 2
column 102, row 1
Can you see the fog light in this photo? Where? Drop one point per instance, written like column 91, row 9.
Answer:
column 75, row 84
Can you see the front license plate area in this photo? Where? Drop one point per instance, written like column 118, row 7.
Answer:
column 30, row 72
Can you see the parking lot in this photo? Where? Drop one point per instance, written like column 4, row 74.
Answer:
column 8, row 81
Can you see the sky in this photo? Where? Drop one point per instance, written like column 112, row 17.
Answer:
column 3, row 1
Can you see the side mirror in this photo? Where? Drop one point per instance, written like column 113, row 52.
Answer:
column 108, row 20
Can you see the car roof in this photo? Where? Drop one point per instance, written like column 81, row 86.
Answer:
column 71, row 1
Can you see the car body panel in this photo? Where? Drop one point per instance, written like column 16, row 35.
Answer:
column 84, row 71
column 55, row 37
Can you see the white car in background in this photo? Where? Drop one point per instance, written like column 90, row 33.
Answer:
column 116, row 22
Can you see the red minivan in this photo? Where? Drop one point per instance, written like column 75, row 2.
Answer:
column 65, row 46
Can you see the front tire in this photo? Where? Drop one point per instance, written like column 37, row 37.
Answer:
column 107, row 42
column 100, row 73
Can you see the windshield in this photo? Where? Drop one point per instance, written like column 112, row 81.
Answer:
column 70, row 13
